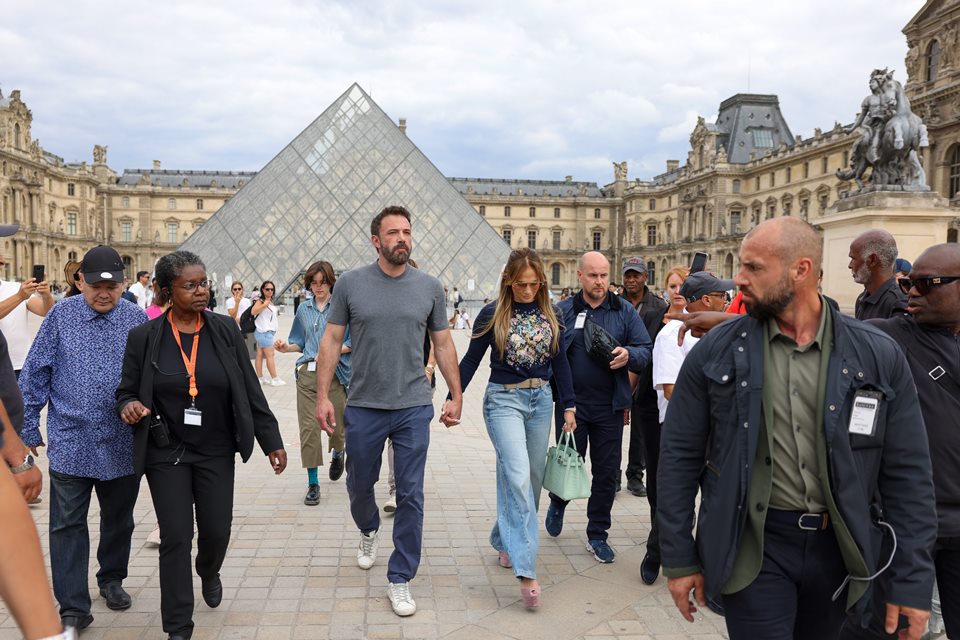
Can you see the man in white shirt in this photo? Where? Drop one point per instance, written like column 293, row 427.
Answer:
column 16, row 299
column 140, row 288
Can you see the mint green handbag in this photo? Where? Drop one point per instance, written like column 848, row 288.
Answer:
column 566, row 476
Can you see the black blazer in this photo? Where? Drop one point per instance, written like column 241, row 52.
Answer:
column 251, row 413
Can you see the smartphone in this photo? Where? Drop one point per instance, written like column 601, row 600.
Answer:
column 38, row 272
column 699, row 262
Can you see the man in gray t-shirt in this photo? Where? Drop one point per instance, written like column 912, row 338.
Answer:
column 388, row 307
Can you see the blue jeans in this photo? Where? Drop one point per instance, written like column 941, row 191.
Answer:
column 70, row 538
column 409, row 430
column 518, row 422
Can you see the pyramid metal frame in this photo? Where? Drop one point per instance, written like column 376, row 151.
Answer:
column 316, row 198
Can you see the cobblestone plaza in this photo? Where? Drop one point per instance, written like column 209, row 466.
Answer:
column 291, row 570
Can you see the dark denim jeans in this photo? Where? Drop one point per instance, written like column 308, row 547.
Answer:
column 70, row 538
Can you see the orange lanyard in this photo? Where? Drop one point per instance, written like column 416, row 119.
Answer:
column 191, row 362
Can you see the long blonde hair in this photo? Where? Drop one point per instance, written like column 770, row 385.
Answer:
column 519, row 261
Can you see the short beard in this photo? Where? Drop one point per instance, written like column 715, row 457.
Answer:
column 862, row 275
column 393, row 257
column 774, row 304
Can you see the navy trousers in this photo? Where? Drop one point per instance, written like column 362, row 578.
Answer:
column 409, row 429
column 605, row 440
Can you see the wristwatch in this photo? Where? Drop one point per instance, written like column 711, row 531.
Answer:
column 26, row 466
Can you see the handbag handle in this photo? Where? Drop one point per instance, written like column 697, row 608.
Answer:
column 566, row 440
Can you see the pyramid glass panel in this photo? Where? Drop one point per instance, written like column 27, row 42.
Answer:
column 315, row 200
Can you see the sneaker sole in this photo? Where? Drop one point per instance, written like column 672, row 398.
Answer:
column 389, row 508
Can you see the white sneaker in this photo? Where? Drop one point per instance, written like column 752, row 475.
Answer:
column 390, row 505
column 400, row 598
column 277, row 382
column 367, row 551
column 265, row 380
column 154, row 537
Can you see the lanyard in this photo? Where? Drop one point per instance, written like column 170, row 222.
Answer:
column 191, row 362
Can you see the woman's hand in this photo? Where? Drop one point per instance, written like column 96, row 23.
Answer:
column 569, row 420
column 133, row 412
column 278, row 460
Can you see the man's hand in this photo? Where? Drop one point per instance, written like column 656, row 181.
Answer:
column 569, row 420
column 326, row 416
column 916, row 617
column 278, row 460
column 698, row 322
column 133, row 412
column 450, row 414
column 620, row 358
column 626, row 417
column 33, row 449
column 29, row 287
column 30, row 483
column 680, row 589
column 280, row 345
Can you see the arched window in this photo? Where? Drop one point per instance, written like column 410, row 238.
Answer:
column 933, row 60
column 955, row 171
column 555, row 274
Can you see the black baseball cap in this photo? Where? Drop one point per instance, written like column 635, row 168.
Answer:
column 634, row 264
column 100, row 264
column 8, row 229
column 701, row 283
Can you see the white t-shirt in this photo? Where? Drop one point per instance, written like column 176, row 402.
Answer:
column 245, row 304
column 462, row 320
column 140, row 291
column 267, row 320
column 14, row 326
column 667, row 359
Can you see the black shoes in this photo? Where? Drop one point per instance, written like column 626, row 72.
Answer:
column 336, row 466
column 212, row 591
column 177, row 636
column 313, row 495
column 635, row 486
column 649, row 569
column 117, row 599
column 77, row 622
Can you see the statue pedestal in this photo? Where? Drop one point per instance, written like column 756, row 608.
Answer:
column 916, row 219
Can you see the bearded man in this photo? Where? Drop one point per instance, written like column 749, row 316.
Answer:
column 802, row 430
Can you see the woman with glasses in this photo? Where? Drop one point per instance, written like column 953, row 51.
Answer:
column 522, row 332
column 237, row 304
column 266, row 325
column 188, row 386
column 309, row 323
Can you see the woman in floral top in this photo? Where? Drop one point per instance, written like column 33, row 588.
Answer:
column 522, row 331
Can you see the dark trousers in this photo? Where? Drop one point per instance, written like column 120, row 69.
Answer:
column 409, row 429
column 605, row 439
column 638, row 453
column 790, row 598
column 70, row 537
column 195, row 481
column 651, row 439
column 946, row 558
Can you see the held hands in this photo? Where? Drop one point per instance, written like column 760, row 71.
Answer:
column 680, row 589
column 325, row 415
column 569, row 420
column 450, row 414
column 916, row 617
column 620, row 358
column 278, row 460
column 133, row 412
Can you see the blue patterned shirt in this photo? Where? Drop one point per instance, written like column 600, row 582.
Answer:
column 306, row 332
column 74, row 365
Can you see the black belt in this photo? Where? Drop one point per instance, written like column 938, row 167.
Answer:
column 800, row 520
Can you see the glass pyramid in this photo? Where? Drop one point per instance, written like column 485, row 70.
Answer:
column 316, row 198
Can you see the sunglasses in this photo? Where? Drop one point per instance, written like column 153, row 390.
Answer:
column 267, row 289
column 924, row 285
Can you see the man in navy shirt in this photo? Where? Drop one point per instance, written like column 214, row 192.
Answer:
column 74, row 367
column 602, row 389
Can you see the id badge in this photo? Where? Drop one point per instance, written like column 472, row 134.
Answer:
column 312, row 365
column 581, row 319
column 191, row 417
column 863, row 418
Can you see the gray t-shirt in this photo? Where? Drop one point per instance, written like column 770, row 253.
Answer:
column 388, row 318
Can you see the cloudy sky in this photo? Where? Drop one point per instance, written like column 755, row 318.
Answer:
column 498, row 89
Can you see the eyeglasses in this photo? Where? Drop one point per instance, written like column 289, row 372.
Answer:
column 526, row 285
column 924, row 285
column 191, row 286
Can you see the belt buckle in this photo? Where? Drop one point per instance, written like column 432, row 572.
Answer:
column 804, row 527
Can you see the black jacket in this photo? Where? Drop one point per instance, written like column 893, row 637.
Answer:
column 709, row 441
column 252, row 417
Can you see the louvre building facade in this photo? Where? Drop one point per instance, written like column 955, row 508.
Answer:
column 315, row 198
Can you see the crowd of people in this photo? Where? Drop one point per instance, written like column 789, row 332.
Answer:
column 821, row 447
